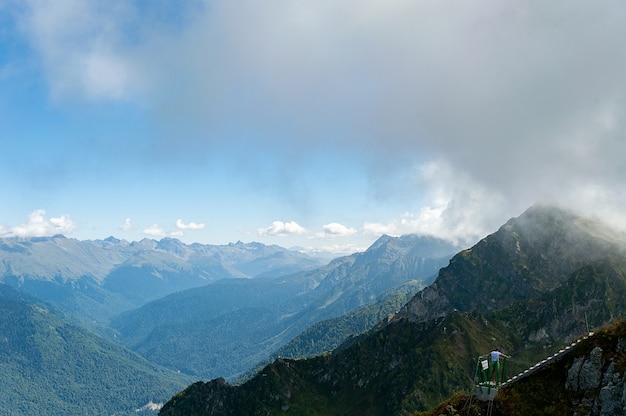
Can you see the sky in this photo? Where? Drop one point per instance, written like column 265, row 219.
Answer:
column 313, row 124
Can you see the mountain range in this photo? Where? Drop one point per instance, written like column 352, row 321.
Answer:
column 61, row 296
column 98, row 279
column 227, row 327
column 394, row 330
column 530, row 288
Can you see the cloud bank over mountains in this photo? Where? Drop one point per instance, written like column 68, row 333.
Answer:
column 37, row 225
column 476, row 109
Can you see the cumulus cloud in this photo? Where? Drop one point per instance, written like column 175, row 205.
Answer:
column 376, row 229
column 38, row 226
column 127, row 225
column 190, row 226
column 334, row 250
column 155, row 231
column 456, row 208
column 279, row 228
column 334, row 229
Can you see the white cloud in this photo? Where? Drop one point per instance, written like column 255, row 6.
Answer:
column 63, row 223
column 82, row 46
column 377, row 229
column 38, row 226
column 279, row 228
column 155, row 231
column 104, row 75
column 190, row 226
column 334, row 229
column 127, row 225
column 334, row 249
column 455, row 207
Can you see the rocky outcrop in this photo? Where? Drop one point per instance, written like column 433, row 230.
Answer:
column 427, row 305
column 587, row 380
column 586, row 371
column 597, row 382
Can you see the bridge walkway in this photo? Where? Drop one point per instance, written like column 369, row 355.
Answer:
column 538, row 366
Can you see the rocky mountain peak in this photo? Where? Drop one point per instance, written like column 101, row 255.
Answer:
column 529, row 255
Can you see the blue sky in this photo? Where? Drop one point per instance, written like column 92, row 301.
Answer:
column 318, row 124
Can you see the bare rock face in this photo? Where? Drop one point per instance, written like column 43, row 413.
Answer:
column 598, row 382
column 612, row 396
column 585, row 372
column 428, row 304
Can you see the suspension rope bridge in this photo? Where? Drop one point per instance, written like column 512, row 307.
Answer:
column 490, row 376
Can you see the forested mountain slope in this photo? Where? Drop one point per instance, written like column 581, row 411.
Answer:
column 49, row 367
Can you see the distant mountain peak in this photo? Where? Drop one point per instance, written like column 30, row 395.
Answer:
column 132, row 273
column 429, row 246
column 173, row 246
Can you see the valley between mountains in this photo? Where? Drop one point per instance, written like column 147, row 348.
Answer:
column 116, row 327
column 188, row 312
